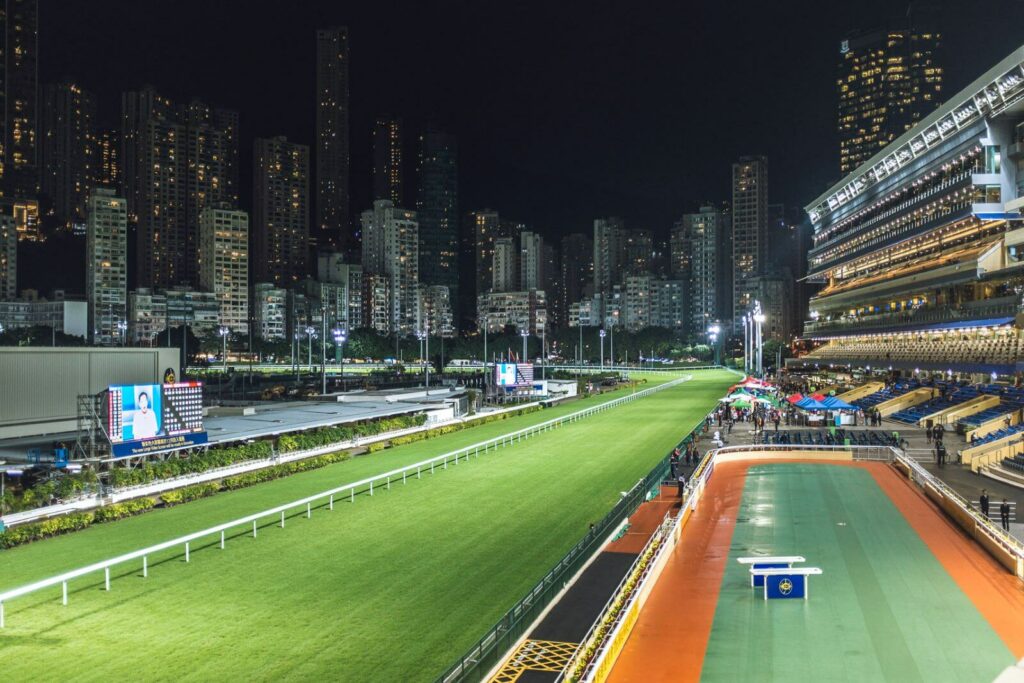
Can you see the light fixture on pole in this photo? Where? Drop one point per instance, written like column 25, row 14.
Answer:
column 759, row 318
column 223, row 331
column 601, row 334
column 746, row 344
column 713, row 332
column 525, row 334
column 339, row 341
column 310, row 336
column 122, row 328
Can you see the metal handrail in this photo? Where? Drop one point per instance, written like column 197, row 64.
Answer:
column 350, row 489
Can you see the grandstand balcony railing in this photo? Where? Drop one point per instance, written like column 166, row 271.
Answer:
column 382, row 480
column 991, row 308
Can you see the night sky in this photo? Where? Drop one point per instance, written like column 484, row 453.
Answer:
column 564, row 111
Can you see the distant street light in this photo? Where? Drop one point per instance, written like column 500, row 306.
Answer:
column 602, row 334
column 525, row 333
column 310, row 335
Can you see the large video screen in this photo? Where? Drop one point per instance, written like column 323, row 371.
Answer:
column 149, row 418
column 513, row 374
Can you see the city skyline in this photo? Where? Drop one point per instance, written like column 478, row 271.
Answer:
column 519, row 151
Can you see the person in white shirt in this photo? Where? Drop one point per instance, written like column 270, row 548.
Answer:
column 144, row 423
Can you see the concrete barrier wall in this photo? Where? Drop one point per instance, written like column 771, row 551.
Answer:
column 954, row 413
column 904, row 401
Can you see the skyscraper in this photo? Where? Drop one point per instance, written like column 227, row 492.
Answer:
column 680, row 250
column 332, row 137
column 749, row 231
column 608, row 236
column 483, row 228
column 106, row 265
column 888, row 80
column 506, row 265
column 637, row 251
column 391, row 250
column 19, row 85
column 577, row 272
column 532, row 274
column 710, row 277
column 280, row 211
column 8, row 257
column 224, row 263
column 68, row 150
column 387, row 159
column 437, row 207
column 182, row 163
column 106, row 165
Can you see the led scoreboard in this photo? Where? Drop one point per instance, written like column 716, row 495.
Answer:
column 152, row 418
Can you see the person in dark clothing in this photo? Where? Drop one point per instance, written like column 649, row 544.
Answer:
column 940, row 453
column 984, row 503
column 928, row 434
column 939, row 432
column 673, row 462
column 1004, row 515
column 681, row 482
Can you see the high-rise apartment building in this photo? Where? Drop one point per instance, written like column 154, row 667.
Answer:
column 532, row 271
column 391, row 249
column 710, row 288
column 506, row 265
column 680, row 248
column 270, row 311
column 608, row 235
column 280, row 211
column 224, row 263
column 577, row 271
column 183, row 159
column 437, row 208
column 332, row 137
column 888, row 80
column 8, row 257
column 435, row 311
column 348, row 278
column 637, row 252
column 387, row 159
column 68, row 150
column 749, row 231
column 19, row 86
column 482, row 229
column 106, row 265
column 106, row 166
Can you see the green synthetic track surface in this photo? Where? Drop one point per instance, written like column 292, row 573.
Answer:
column 884, row 609
column 388, row 588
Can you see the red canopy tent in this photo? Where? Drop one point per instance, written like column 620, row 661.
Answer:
column 795, row 398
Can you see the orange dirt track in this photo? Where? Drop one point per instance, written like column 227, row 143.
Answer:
column 671, row 635
column 644, row 521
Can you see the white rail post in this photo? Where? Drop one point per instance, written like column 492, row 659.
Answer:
column 186, row 552
column 254, row 528
column 145, row 567
column 282, row 519
column 330, row 505
column 352, row 494
column 403, row 476
column 446, row 462
column 1, row 615
column 389, row 482
column 418, row 472
column 309, row 510
column 371, row 487
column 222, row 540
column 64, row 592
column 106, row 578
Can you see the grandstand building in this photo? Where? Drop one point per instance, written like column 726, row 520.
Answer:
column 920, row 250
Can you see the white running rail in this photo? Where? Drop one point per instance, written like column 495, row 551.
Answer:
column 443, row 460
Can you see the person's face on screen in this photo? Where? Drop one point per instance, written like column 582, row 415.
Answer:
column 143, row 402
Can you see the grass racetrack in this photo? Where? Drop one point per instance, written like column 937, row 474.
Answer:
column 392, row 587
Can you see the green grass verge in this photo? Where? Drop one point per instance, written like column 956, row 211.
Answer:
column 884, row 608
column 392, row 587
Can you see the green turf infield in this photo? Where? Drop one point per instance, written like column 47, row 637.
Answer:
column 884, row 609
column 392, row 587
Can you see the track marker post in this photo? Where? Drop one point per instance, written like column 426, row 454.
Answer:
column 222, row 540
column 186, row 555
column 64, row 593
column 106, row 578
column 282, row 519
column 145, row 567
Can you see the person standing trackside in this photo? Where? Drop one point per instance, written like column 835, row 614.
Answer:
column 984, row 503
column 681, row 481
column 1004, row 514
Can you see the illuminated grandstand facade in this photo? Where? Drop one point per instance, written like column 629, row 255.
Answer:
column 920, row 250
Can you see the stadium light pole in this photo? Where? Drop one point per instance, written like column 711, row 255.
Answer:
column 543, row 350
column 601, row 334
column 747, row 345
column 122, row 328
column 713, row 331
column 310, row 336
column 611, row 346
column 759, row 318
column 223, row 331
column 525, row 333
